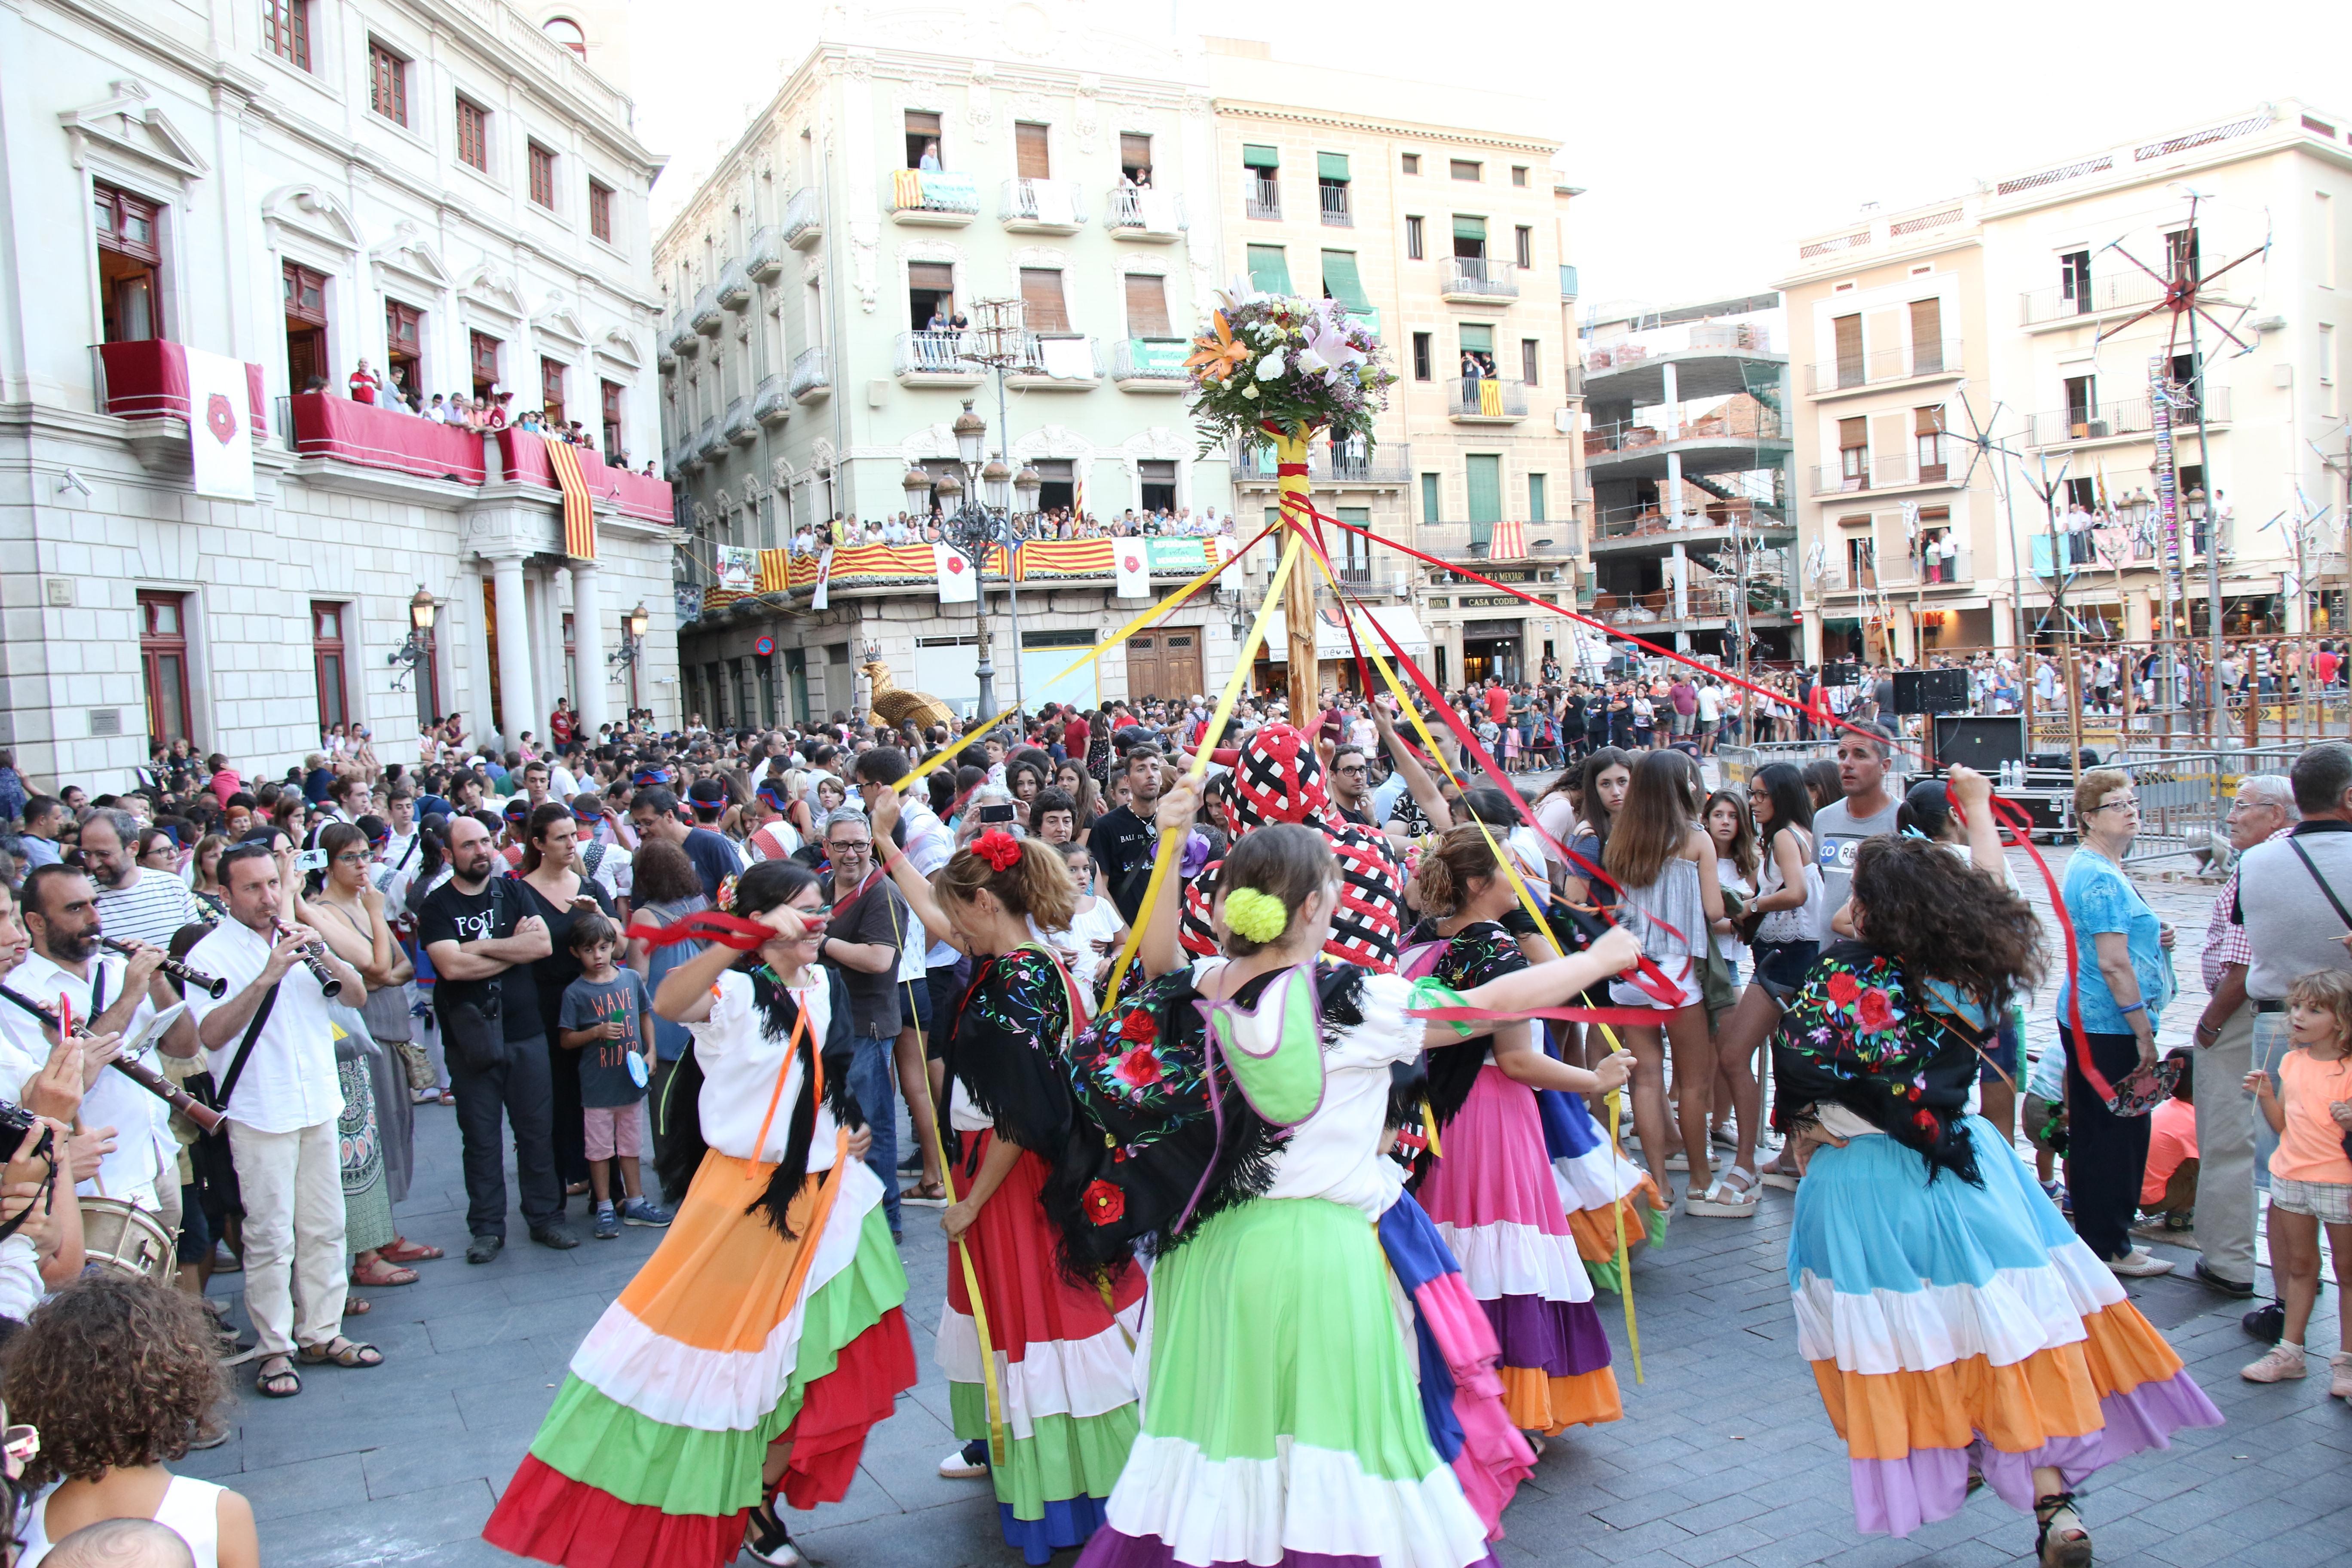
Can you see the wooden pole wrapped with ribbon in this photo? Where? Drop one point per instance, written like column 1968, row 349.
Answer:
column 1299, row 600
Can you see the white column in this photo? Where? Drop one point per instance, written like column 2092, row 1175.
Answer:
column 516, row 703
column 588, row 645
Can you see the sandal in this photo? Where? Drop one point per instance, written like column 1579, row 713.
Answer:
column 926, row 1194
column 2061, row 1542
column 283, row 1384
column 357, row 1306
column 343, row 1352
column 403, row 1250
column 382, row 1275
column 1733, row 1196
column 449, row 1096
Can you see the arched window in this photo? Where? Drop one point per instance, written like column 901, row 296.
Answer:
column 566, row 31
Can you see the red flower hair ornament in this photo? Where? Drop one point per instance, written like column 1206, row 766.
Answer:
column 999, row 848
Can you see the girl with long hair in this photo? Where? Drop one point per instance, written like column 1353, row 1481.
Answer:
column 1725, row 816
column 763, row 1339
column 1605, row 775
column 1067, row 1345
column 1786, row 920
column 1086, row 800
column 1956, row 1327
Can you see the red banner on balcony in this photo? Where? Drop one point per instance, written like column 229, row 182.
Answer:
column 579, row 509
column 374, row 437
column 149, row 379
column 1511, row 542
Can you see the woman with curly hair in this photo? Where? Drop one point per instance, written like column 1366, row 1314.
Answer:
column 1958, row 1331
column 118, row 1374
column 765, row 1337
column 1066, row 1348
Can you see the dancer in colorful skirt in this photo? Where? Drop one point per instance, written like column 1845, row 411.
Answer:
column 1493, row 1194
column 1064, row 1349
column 1240, row 1103
column 1958, row 1331
column 764, row 1338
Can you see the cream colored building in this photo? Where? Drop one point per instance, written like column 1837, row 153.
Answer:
column 2032, row 310
column 1446, row 228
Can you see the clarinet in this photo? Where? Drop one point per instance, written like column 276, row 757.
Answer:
column 140, row 1073
column 329, row 985
column 212, row 985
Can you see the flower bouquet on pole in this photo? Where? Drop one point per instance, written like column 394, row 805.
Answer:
column 1275, row 369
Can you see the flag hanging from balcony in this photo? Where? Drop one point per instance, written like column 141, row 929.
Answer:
column 1490, row 398
column 958, row 585
column 1509, row 542
column 579, row 512
column 775, row 571
column 220, row 433
column 1129, row 564
column 822, row 594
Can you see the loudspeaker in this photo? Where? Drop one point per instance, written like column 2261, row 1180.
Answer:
column 1982, row 742
column 1844, row 673
column 1931, row 691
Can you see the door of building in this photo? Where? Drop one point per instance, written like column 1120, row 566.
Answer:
column 796, row 678
column 1163, row 663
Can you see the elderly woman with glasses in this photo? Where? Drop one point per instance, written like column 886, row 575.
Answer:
column 2121, row 980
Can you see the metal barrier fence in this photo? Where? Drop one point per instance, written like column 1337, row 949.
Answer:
column 2184, row 797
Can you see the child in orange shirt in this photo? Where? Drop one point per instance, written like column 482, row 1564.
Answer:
column 2311, row 1173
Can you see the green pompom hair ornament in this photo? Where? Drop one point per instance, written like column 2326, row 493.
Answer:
column 1258, row 916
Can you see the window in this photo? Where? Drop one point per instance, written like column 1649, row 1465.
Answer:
column 1261, row 186
column 1341, row 282
column 2074, row 281
column 2323, row 218
column 387, row 83
column 1523, row 245
column 1420, row 367
column 1409, row 164
column 164, row 659
column 1927, row 442
column 1861, row 561
column 404, row 346
column 1030, row 155
column 286, row 30
column 306, row 327
column 1041, row 299
column 1156, row 480
column 130, row 262
column 474, row 135
column 1135, row 156
column 1928, row 337
column 1463, row 169
column 1528, row 360
column 566, row 31
column 1852, row 370
column 609, row 399
column 1853, row 454
column 550, row 390
column 542, row 177
column 923, row 140
column 327, row 660
column 1428, row 494
column 599, row 211
column 2180, row 256
column 1519, row 175
column 482, row 355
column 930, row 293
column 1482, row 489
column 1147, row 306
column 1937, row 563
column 1331, row 179
column 1470, row 239
column 1412, row 242
column 1269, row 271
column 2082, row 405
column 1539, row 486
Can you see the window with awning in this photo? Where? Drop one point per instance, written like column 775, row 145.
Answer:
column 1331, row 166
column 1269, row 269
column 1341, row 282
column 1469, row 236
column 1254, row 156
column 1478, row 337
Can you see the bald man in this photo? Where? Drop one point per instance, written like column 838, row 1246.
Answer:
column 121, row 1544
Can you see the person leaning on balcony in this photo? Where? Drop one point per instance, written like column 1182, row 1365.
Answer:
column 930, row 158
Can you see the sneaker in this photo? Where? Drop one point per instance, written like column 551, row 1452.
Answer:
column 767, row 1541
column 2267, row 1324
column 2340, row 1381
column 482, row 1248
column 968, row 1463
column 608, row 1223
column 2139, row 1263
column 556, row 1235
column 2281, row 1363
column 641, row 1210
column 2206, row 1277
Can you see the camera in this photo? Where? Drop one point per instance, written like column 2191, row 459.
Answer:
column 311, row 860
column 14, row 1123
column 1001, row 813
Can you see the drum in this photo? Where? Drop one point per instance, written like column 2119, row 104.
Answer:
column 123, row 1239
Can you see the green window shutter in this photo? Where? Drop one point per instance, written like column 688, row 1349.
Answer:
column 1340, row 282
column 1331, row 166
column 1478, row 337
column 1483, row 474
column 1256, row 157
column 1469, row 227
column 1429, row 498
column 1535, row 498
column 1269, row 271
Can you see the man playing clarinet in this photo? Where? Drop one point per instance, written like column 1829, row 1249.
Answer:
column 271, row 1045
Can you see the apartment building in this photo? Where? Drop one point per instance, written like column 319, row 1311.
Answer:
column 813, row 357
column 2034, row 311
column 1444, row 229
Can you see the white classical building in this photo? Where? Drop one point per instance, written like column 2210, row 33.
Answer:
column 449, row 190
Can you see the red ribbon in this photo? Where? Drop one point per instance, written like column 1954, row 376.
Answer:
column 708, row 925
column 1617, row 1017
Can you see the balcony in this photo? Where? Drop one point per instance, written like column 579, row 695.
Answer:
column 1892, row 471
column 665, row 356
column 1702, row 601
column 771, row 404
column 1150, row 364
column 767, row 262
column 1057, row 362
column 328, row 429
column 1336, row 213
column 1486, row 400
column 1043, row 206
column 1540, row 541
column 2119, row 421
column 742, row 428
column 1480, row 280
column 524, row 457
column 684, row 341
column 803, row 223
column 2130, row 289
column 709, row 318
column 1388, row 466
column 812, row 376
column 1147, row 215
column 1733, row 438
column 712, row 444
column 734, row 290
column 933, row 197
column 1261, row 198
column 1913, row 361
column 934, row 359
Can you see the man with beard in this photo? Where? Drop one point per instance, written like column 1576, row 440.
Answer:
column 136, row 904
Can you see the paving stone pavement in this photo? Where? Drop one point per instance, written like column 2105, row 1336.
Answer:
column 1724, row 1455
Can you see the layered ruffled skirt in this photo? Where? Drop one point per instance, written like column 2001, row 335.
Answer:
column 1497, row 1203
column 1282, row 1424
column 1596, row 1183
column 1065, row 1365
column 729, row 1338
column 1953, row 1327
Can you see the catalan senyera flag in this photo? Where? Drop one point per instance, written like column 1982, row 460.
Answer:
column 579, row 510
column 1490, row 398
column 775, row 571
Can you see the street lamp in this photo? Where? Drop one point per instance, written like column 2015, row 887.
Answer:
column 968, row 525
column 632, row 649
column 419, row 646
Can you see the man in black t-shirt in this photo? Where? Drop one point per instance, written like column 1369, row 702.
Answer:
column 483, row 941
column 1124, row 839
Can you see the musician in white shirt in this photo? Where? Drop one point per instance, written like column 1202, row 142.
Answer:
column 283, row 1102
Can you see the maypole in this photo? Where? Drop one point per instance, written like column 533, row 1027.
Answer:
column 1292, row 483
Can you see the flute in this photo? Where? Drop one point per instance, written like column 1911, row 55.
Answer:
column 329, row 985
column 211, row 985
column 140, row 1073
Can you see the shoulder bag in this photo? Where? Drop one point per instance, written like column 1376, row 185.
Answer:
column 2334, row 903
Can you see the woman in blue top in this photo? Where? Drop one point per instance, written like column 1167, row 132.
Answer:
column 2124, row 972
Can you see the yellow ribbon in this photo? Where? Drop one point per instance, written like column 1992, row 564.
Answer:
column 940, row 759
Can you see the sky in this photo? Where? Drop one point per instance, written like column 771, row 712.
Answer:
column 1708, row 136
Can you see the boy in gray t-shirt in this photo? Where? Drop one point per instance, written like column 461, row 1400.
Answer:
column 608, row 1020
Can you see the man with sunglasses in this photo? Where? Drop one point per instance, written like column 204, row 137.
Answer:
column 1351, row 787
column 864, row 938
